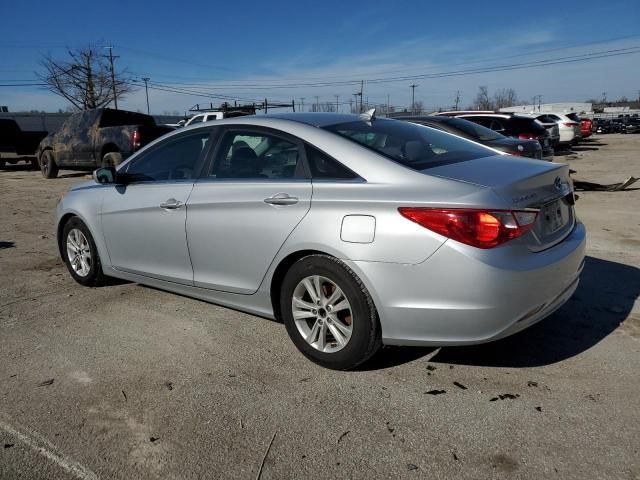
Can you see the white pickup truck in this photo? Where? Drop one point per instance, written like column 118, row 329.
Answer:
column 204, row 117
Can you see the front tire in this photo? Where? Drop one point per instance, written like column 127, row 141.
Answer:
column 48, row 165
column 329, row 313
column 81, row 255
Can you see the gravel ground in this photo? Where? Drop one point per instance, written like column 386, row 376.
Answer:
column 130, row 382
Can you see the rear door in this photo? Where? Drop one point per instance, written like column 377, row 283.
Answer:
column 243, row 209
column 144, row 221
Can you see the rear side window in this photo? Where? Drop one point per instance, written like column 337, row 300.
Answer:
column 324, row 167
column 573, row 117
column 414, row 146
column 254, row 155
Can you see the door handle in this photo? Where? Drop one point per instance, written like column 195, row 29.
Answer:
column 171, row 204
column 281, row 199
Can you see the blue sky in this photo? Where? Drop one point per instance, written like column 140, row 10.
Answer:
column 251, row 49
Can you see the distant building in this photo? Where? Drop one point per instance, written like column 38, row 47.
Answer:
column 567, row 107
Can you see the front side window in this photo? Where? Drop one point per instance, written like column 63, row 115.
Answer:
column 176, row 159
column 412, row 145
column 196, row 119
column 255, row 156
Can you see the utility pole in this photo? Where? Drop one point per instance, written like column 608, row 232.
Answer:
column 337, row 102
column 413, row 97
column 302, row 104
column 146, row 90
column 604, row 97
column 457, row 99
column 539, row 102
column 361, row 91
column 355, row 95
column 113, row 75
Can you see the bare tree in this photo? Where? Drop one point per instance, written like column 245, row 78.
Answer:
column 505, row 97
column 83, row 78
column 482, row 101
column 418, row 107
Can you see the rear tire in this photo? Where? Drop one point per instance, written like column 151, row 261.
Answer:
column 339, row 328
column 48, row 165
column 111, row 159
column 80, row 254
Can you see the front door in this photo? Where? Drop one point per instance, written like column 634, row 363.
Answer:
column 240, row 214
column 144, row 219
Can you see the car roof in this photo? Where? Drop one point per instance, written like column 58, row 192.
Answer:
column 316, row 119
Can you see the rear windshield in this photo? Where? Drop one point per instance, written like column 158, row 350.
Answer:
column 474, row 130
column 526, row 124
column 414, row 146
column 117, row 118
column 573, row 117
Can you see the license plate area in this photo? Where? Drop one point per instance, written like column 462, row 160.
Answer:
column 553, row 217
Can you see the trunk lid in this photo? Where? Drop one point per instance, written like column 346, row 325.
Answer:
column 523, row 184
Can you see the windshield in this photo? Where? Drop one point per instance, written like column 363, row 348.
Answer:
column 474, row 130
column 414, row 146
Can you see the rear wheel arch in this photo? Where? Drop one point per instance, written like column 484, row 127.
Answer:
column 281, row 271
column 109, row 148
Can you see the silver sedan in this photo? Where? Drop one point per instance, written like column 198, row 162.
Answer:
column 355, row 231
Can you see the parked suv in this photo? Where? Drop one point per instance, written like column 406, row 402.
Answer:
column 517, row 126
column 95, row 138
column 549, row 123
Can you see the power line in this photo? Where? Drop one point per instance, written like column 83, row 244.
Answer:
column 113, row 75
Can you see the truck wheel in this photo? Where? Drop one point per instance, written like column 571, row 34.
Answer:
column 112, row 159
column 48, row 165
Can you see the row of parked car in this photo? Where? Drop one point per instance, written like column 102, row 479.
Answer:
column 105, row 137
column 618, row 125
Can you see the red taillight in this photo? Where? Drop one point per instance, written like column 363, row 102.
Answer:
column 478, row 228
column 528, row 136
column 135, row 140
column 570, row 124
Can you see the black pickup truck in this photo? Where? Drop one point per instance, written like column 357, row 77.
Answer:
column 101, row 137
column 17, row 145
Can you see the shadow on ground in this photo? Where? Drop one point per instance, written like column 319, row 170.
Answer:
column 603, row 300
column 4, row 245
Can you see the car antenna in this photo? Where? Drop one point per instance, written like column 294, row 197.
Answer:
column 368, row 116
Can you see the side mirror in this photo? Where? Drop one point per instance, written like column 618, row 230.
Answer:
column 105, row 175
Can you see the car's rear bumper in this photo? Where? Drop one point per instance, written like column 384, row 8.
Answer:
column 462, row 295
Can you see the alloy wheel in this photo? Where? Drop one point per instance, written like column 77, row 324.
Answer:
column 322, row 313
column 79, row 252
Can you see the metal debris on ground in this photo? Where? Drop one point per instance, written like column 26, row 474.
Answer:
column 46, row 383
column 459, row 385
column 435, row 392
column 599, row 187
column 505, row 396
